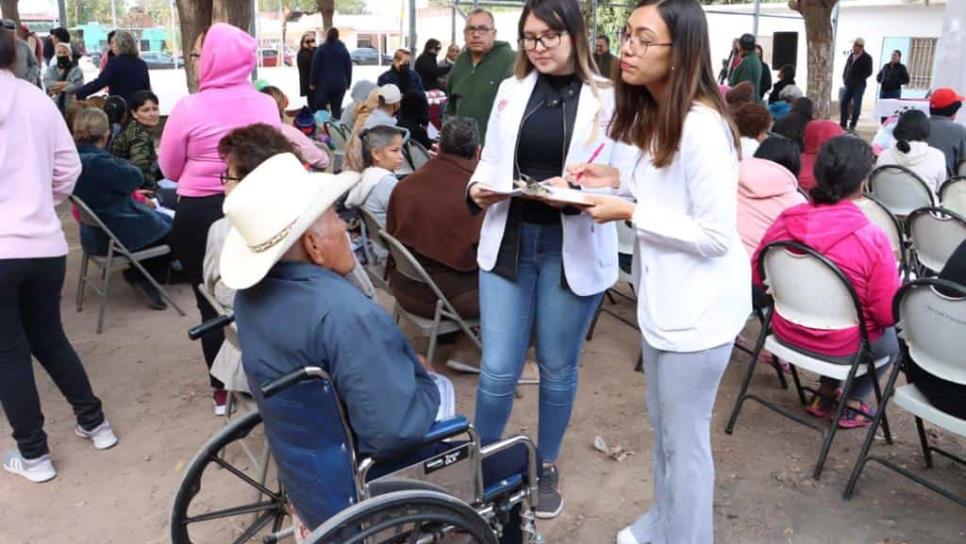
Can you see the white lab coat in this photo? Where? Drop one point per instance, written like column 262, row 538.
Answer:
column 692, row 273
column 589, row 250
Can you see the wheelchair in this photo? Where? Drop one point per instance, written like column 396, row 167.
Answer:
column 439, row 498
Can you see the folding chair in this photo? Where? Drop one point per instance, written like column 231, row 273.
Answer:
column 952, row 195
column 339, row 136
column 418, row 155
column 935, row 234
column 811, row 291
column 900, row 189
column 880, row 216
column 231, row 336
column 933, row 333
column 961, row 168
column 446, row 319
column 375, row 263
column 117, row 256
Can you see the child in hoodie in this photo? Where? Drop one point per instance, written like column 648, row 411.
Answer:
column 913, row 152
column 835, row 227
column 382, row 155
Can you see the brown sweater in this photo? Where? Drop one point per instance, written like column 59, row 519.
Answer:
column 428, row 214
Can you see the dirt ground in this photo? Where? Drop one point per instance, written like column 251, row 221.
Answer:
column 155, row 393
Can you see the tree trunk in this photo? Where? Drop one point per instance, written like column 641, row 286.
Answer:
column 327, row 8
column 194, row 17
column 11, row 11
column 233, row 12
column 818, row 33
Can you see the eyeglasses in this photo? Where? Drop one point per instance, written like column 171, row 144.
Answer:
column 477, row 30
column 638, row 46
column 310, row 42
column 194, row 55
column 225, row 177
column 548, row 41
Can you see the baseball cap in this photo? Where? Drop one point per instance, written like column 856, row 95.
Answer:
column 390, row 93
column 747, row 41
column 944, row 97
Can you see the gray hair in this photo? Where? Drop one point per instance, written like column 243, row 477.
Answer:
column 90, row 125
column 126, row 44
column 377, row 137
column 481, row 11
column 460, row 136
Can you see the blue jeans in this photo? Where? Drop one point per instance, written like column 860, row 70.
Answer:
column 890, row 94
column 852, row 96
column 534, row 304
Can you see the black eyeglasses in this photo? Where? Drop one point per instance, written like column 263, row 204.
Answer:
column 225, row 177
column 310, row 42
column 549, row 40
column 194, row 55
column 477, row 30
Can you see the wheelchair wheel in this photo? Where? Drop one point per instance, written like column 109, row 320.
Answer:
column 415, row 516
column 230, row 492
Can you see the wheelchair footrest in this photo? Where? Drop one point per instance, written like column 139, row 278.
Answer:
column 503, row 487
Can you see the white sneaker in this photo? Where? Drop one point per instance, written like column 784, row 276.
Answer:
column 626, row 537
column 36, row 470
column 460, row 366
column 102, row 436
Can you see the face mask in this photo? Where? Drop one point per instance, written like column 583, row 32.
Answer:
column 403, row 68
column 63, row 62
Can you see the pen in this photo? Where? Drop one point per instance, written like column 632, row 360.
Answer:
column 593, row 157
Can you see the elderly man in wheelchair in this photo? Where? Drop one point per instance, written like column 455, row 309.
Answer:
column 349, row 409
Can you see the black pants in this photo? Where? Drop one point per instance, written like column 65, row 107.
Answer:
column 331, row 99
column 189, row 237
column 30, row 324
column 853, row 97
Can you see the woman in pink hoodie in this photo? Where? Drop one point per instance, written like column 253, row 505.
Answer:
column 766, row 187
column 816, row 134
column 835, row 227
column 225, row 100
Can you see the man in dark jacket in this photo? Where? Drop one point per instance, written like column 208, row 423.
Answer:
column 401, row 73
column 304, row 62
column 750, row 68
column 765, row 74
column 479, row 70
column 430, row 71
column 892, row 77
column 945, row 134
column 331, row 74
column 858, row 68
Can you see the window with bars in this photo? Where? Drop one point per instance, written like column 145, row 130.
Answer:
column 921, row 53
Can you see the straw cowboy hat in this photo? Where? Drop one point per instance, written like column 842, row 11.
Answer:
column 269, row 211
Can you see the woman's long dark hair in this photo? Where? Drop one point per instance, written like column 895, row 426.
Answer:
column 560, row 16
column 638, row 120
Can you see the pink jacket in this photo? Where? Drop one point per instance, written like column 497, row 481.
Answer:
column 226, row 100
column 311, row 154
column 765, row 189
column 843, row 234
column 39, row 165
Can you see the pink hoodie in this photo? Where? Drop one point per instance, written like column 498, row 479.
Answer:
column 225, row 100
column 765, row 189
column 39, row 165
column 843, row 234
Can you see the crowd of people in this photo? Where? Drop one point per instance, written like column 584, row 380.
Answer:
column 706, row 174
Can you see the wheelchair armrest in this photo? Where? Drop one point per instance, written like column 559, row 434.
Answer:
column 447, row 428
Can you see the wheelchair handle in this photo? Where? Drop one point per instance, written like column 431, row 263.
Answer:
column 219, row 322
column 299, row 375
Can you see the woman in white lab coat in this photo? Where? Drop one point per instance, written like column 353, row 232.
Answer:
column 543, row 269
column 678, row 158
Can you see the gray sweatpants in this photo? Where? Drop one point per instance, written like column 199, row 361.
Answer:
column 680, row 392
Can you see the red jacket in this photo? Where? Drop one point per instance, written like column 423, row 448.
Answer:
column 816, row 134
column 843, row 234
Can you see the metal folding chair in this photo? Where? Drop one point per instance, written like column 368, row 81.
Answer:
column 339, row 136
column 117, row 256
column 933, row 334
column 952, row 195
column 900, row 189
column 810, row 291
column 961, row 168
column 935, row 233
column 446, row 319
column 880, row 216
column 372, row 247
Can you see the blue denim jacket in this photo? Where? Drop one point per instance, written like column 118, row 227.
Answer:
column 302, row 315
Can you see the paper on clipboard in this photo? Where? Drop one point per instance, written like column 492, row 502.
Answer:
column 560, row 195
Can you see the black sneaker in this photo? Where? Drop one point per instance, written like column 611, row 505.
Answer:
column 551, row 502
column 151, row 293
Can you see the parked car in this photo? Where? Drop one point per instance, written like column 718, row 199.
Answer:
column 158, row 60
column 368, row 56
column 289, row 56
